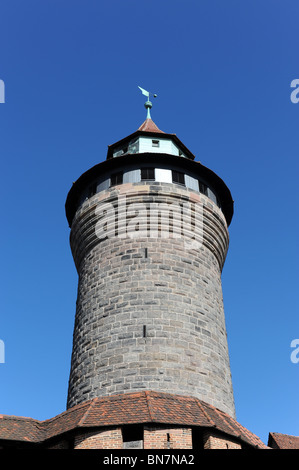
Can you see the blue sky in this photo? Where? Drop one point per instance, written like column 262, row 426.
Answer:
column 222, row 72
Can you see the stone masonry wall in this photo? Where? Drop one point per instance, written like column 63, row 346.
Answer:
column 149, row 311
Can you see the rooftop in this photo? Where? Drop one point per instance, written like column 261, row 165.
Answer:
column 283, row 441
column 149, row 126
column 132, row 408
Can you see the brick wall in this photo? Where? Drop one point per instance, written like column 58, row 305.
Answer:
column 214, row 441
column 154, row 437
column 167, row 438
column 105, row 439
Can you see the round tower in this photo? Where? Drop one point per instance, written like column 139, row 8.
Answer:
column 149, row 237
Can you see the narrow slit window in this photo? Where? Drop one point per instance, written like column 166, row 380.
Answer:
column 155, row 143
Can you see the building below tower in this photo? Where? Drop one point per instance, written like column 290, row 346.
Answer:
column 141, row 420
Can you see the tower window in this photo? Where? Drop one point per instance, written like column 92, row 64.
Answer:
column 203, row 188
column 92, row 189
column 155, row 143
column 148, row 174
column 178, row 177
column 116, row 178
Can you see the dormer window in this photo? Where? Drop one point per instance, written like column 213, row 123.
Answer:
column 155, row 143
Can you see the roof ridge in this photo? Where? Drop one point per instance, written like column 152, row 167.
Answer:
column 239, row 431
column 20, row 418
column 223, row 416
column 68, row 411
column 198, row 401
column 86, row 413
column 283, row 434
column 146, row 392
column 245, row 433
column 252, row 436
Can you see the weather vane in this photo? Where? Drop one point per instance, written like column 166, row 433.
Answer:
column 148, row 104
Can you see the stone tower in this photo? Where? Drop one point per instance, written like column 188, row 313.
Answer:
column 149, row 237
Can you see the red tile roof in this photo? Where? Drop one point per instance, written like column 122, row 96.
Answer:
column 149, row 126
column 15, row 428
column 131, row 408
column 283, row 441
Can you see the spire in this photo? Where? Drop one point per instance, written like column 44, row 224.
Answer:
column 148, row 104
column 148, row 125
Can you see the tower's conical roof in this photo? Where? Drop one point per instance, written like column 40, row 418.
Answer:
column 149, row 126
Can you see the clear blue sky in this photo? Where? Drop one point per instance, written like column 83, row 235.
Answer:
column 222, row 71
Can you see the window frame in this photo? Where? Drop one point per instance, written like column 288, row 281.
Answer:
column 119, row 176
column 147, row 178
column 180, row 175
column 203, row 188
column 92, row 190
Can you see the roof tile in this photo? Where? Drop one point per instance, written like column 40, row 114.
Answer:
column 149, row 126
column 128, row 408
column 283, row 441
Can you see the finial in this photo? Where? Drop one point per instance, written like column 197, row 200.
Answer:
column 148, row 104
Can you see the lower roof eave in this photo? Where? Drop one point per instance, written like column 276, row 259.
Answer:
column 146, row 407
